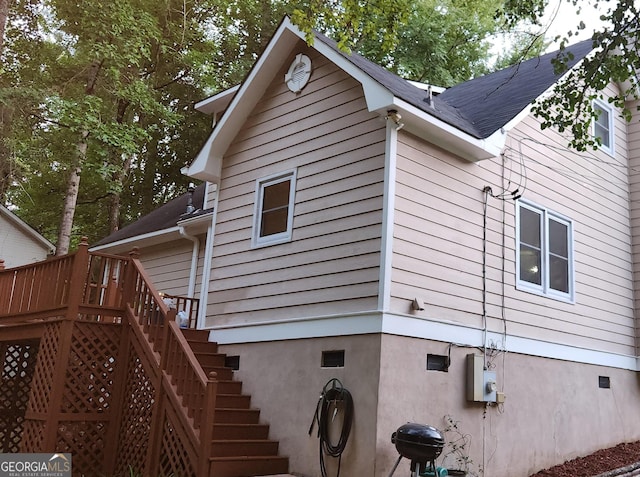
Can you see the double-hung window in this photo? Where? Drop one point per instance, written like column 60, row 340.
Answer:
column 603, row 125
column 273, row 213
column 544, row 256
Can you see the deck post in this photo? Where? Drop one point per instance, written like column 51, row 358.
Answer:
column 130, row 285
column 206, row 426
column 77, row 284
column 78, row 279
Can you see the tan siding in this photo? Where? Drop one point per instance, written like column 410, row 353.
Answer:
column 332, row 263
column 169, row 266
column 438, row 251
column 633, row 128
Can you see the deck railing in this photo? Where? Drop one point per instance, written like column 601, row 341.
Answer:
column 184, row 378
column 115, row 289
column 36, row 290
column 187, row 305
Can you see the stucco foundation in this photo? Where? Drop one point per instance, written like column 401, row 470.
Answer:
column 554, row 410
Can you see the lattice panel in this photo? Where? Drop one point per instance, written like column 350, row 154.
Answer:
column 138, row 403
column 91, row 366
column 174, row 460
column 86, row 441
column 32, row 435
column 19, row 361
column 45, row 368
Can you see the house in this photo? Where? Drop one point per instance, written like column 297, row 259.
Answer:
column 438, row 253
column 19, row 243
column 174, row 240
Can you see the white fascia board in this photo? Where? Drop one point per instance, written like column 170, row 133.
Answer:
column 144, row 240
column 27, row 229
column 379, row 99
column 448, row 137
column 218, row 102
column 208, row 163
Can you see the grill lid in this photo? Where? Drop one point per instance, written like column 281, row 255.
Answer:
column 418, row 442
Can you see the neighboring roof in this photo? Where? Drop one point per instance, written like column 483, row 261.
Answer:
column 164, row 218
column 468, row 119
column 27, row 229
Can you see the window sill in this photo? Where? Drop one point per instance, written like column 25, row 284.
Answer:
column 565, row 298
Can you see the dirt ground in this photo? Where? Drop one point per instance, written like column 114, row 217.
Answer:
column 596, row 463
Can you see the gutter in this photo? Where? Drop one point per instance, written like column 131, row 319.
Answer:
column 126, row 244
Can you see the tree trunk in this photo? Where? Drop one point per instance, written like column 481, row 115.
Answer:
column 73, row 182
column 114, row 212
column 6, row 164
column 4, row 14
column 118, row 178
column 71, row 198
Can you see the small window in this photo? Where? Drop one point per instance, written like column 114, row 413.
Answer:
column 603, row 126
column 544, row 258
column 273, row 217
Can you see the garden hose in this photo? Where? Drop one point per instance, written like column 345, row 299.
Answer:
column 334, row 399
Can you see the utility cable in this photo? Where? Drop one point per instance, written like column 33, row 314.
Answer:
column 334, row 399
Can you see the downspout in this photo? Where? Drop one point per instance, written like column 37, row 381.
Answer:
column 388, row 208
column 208, row 258
column 194, row 260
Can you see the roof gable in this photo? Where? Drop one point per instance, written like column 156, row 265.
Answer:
column 467, row 119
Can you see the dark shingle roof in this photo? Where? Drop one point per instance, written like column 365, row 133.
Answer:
column 493, row 100
column 481, row 106
column 164, row 217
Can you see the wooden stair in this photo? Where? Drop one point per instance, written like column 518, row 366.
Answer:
column 241, row 446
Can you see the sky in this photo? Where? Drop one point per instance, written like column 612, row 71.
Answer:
column 561, row 17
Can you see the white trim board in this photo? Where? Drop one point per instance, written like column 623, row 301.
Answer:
column 413, row 327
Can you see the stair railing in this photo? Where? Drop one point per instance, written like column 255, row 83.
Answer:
column 182, row 376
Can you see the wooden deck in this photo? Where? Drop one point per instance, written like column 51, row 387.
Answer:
column 96, row 365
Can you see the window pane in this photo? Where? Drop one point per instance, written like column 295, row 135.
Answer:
column 558, row 239
column 529, row 227
column 530, row 264
column 275, row 208
column 276, row 195
column 559, row 273
column 601, row 127
column 274, row 222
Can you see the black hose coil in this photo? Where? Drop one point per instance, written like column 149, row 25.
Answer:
column 334, row 398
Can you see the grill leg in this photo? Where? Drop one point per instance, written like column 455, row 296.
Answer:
column 395, row 466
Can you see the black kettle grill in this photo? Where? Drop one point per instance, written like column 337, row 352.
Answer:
column 419, row 443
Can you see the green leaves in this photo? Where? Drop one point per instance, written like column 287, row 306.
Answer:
column 615, row 60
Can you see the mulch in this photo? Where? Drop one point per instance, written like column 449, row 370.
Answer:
column 599, row 462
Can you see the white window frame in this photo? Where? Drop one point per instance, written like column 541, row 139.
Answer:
column 544, row 288
column 598, row 104
column 261, row 184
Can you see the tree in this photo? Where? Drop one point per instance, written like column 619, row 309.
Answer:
column 615, row 58
column 100, row 100
column 442, row 42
